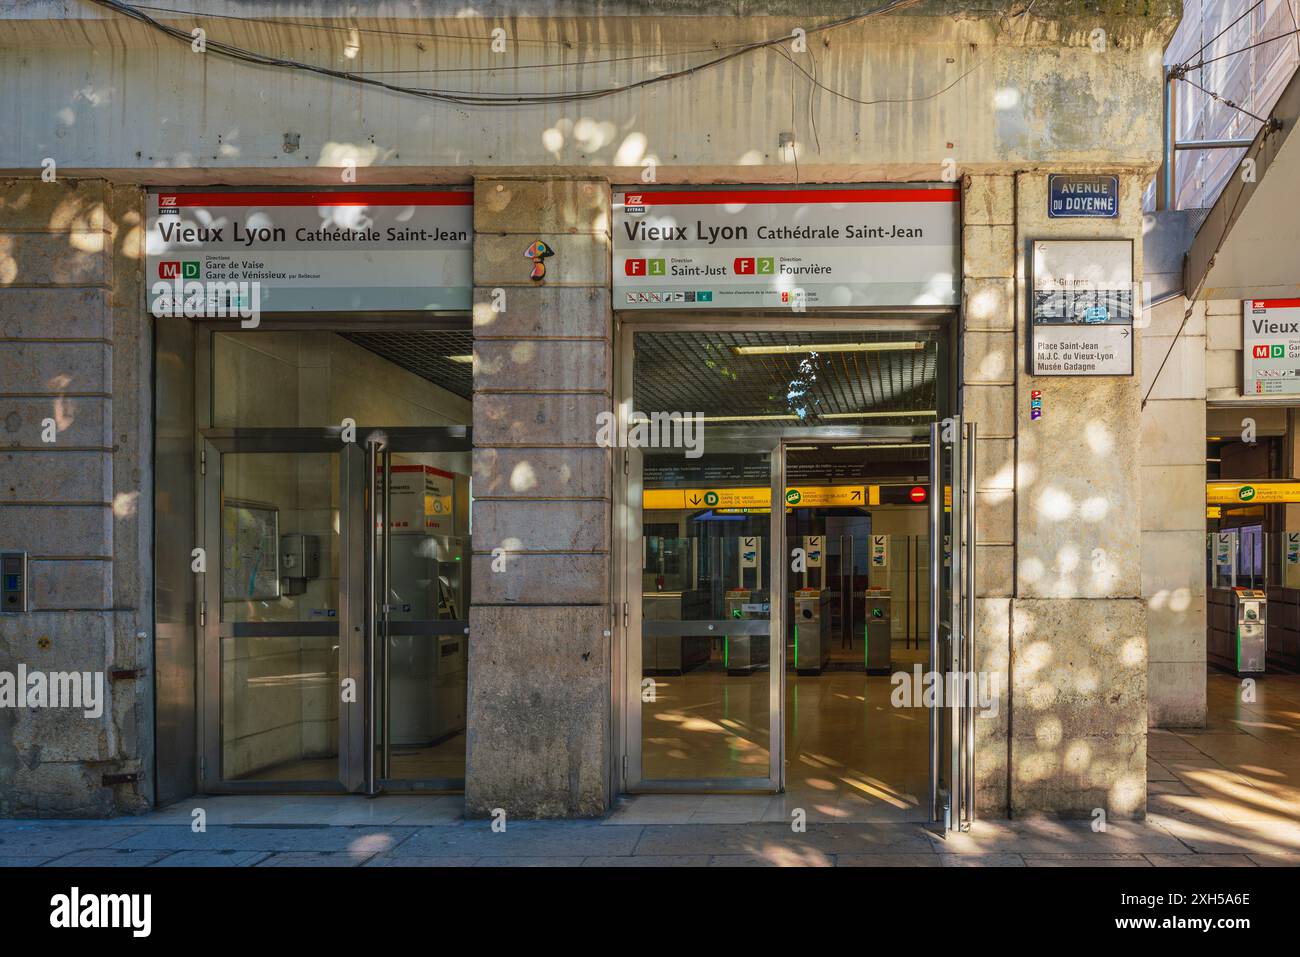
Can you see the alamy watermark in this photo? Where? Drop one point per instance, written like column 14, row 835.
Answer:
column 55, row 689
column 657, row 430
column 932, row 689
column 177, row 297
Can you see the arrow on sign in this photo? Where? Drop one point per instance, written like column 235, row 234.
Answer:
column 857, row 494
column 695, row 500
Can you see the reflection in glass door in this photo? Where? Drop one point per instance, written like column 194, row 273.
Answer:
column 274, row 614
column 705, row 659
column 335, row 610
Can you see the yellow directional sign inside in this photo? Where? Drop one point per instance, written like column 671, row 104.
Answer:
column 826, row 496
column 801, row 496
column 1252, row 493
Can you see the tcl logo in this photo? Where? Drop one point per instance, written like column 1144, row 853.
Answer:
column 167, row 201
column 635, row 199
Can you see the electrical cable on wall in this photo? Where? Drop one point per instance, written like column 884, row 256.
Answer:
column 469, row 98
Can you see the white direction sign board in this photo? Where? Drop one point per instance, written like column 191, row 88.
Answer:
column 1083, row 303
column 786, row 248
column 1270, row 341
column 318, row 250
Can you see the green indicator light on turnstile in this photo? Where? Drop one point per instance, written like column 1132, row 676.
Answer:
column 735, row 613
column 726, row 652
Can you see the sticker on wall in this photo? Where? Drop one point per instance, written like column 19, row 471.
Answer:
column 1293, row 548
column 538, row 252
column 1223, row 548
column 879, row 551
column 812, row 545
column 1035, row 404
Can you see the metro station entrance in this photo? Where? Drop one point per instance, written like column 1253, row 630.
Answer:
column 782, row 601
column 335, row 571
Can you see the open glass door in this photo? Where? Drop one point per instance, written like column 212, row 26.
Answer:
column 417, row 587
column 704, row 662
column 952, row 622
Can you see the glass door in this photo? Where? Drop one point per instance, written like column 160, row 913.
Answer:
column 335, row 609
column 418, row 592
column 280, row 672
column 952, row 622
column 705, row 665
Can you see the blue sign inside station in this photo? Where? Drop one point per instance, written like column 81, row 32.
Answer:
column 1081, row 195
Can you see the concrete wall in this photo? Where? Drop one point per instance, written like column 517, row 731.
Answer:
column 75, row 347
column 951, row 77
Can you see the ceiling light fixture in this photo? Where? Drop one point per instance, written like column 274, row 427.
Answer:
column 891, row 445
column 876, row 415
column 830, row 347
column 463, row 360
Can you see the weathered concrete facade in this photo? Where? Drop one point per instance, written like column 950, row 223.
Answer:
column 75, row 353
column 1062, row 614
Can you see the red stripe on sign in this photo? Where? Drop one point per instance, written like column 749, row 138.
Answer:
column 428, row 469
column 721, row 197
column 330, row 198
column 1275, row 303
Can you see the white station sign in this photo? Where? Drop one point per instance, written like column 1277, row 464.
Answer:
column 1270, row 342
column 807, row 247
column 1083, row 307
column 316, row 250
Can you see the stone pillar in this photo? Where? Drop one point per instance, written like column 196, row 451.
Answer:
column 988, row 399
column 539, row 663
column 76, row 351
column 1173, row 512
column 1078, row 621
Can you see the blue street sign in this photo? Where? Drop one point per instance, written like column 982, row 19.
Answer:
column 1082, row 195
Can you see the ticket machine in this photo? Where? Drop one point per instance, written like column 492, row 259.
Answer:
column 1250, row 610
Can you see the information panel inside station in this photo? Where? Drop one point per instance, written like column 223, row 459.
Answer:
column 786, row 248
column 1270, row 347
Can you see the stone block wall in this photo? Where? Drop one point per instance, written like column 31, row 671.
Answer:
column 76, row 348
column 539, row 669
column 1172, row 446
column 1078, row 645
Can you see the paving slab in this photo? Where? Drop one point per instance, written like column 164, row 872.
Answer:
column 212, row 859
column 108, row 857
column 49, row 839
column 649, row 860
column 233, row 838
column 522, row 839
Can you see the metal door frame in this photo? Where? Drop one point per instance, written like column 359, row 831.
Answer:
column 625, row 657
column 354, row 627
column 953, row 810
column 215, row 444
column 380, row 445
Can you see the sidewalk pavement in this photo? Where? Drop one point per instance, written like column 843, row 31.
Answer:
column 1225, row 795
